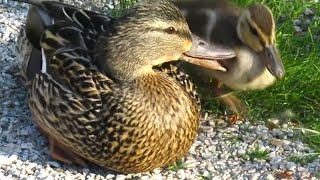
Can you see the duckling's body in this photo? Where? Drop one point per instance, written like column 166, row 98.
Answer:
column 250, row 32
column 244, row 73
column 97, row 89
column 218, row 21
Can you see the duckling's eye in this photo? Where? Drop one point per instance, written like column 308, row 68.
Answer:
column 253, row 31
column 269, row 55
column 170, row 30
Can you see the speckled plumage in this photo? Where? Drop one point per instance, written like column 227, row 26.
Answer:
column 128, row 124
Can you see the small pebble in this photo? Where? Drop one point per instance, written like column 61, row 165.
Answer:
column 297, row 22
column 53, row 164
column 308, row 12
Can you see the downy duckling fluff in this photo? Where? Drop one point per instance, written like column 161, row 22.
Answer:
column 97, row 90
column 249, row 31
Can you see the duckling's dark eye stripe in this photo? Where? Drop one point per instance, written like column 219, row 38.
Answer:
column 253, row 31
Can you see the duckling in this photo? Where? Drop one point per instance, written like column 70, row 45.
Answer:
column 249, row 31
column 107, row 90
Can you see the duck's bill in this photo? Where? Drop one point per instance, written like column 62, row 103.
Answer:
column 273, row 61
column 207, row 55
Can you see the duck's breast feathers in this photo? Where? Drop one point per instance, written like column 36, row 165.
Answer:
column 174, row 72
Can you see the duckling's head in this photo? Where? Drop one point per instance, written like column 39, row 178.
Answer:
column 151, row 33
column 256, row 29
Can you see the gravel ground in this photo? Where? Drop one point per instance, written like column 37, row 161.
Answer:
column 242, row 151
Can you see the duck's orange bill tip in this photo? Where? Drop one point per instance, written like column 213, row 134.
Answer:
column 210, row 64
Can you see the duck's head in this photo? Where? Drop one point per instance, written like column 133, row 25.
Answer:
column 256, row 28
column 151, row 33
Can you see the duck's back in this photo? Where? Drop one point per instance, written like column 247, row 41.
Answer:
column 81, row 29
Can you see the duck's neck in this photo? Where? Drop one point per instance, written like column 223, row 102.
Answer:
column 124, row 58
column 124, row 71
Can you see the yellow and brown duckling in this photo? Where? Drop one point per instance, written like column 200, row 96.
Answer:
column 104, row 89
column 249, row 31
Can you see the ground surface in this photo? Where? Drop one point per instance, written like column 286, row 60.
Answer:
column 242, row 151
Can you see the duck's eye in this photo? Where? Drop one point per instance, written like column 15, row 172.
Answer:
column 170, row 30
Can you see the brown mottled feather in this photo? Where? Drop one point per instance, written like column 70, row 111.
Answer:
column 129, row 126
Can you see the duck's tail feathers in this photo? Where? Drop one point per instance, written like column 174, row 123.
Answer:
column 29, row 56
column 37, row 21
column 33, row 2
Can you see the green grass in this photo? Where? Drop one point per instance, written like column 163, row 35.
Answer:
column 255, row 152
column 123, row 4
column 299, row 92
column 303, row 159
column 177, row 165
column 258, row 154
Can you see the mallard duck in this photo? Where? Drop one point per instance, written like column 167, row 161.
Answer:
column 105, row 90
column 249, row 31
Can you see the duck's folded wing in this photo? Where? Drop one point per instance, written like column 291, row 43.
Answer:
column 71, row 119
column 67, row 37
column 44, row 14
column 68, row 59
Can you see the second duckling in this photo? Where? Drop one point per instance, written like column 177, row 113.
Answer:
column 249, row 31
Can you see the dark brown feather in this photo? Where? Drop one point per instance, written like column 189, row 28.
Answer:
column 263, row 18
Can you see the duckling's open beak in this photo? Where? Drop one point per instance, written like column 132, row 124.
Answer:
column 207, row 55
column 273, row 61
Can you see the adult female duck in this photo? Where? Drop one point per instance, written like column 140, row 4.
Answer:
column 96, row 88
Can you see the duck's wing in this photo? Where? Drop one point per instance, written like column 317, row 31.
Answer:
column 44, row 14
column 67, row 94
column 65, row 49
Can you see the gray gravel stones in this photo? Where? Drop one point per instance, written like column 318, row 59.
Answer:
column 302, row 23
column 242, row 151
